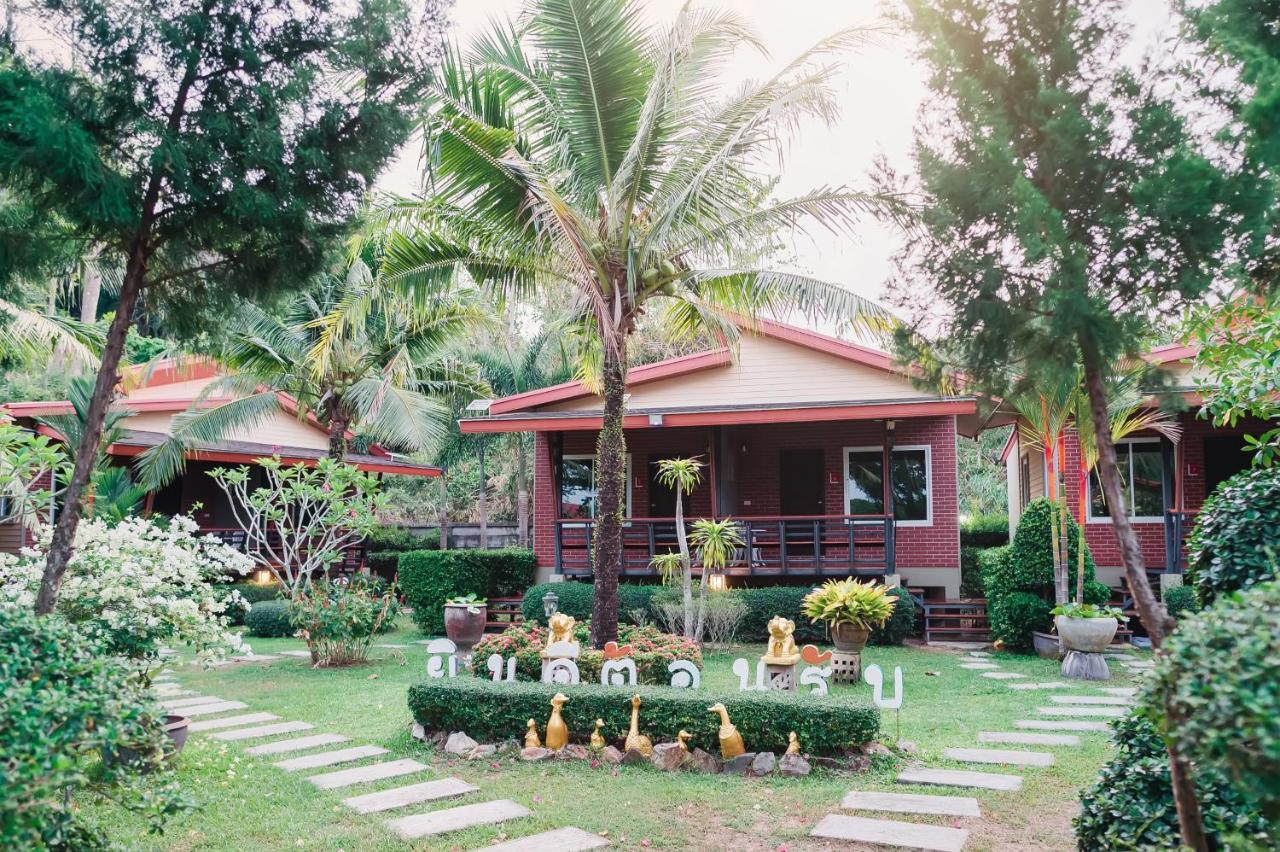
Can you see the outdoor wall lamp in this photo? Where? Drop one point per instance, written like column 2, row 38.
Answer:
column 550, row 603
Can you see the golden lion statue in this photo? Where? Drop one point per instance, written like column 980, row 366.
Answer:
column 562, row 626
column 782, row 650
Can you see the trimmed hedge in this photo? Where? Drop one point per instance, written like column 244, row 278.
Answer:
column 253, row 593
column 430, row 577
column 1236, row 540
column 576, row 599
column 900, row 625
column 385, row 544
column 971, row 571
column 1180, row 601
column 1031, row 566
column 488, row 711
column 1015, row 616
column 985, row 531
column 270, row 620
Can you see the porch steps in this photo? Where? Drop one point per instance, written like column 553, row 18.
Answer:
column 963, row 619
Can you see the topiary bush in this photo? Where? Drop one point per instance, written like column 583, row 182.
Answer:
column 901, row 624
column 825, row 725
column 270, row 620
column 1180, row 601
column 1220, row 672
column 1015, row 616
column 652, row 650
column 1131, row 804
column 1236, row 540
column 430, row 577
column 1031, row 565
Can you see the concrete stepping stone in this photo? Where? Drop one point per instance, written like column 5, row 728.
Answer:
column 1127, row 691
column 888, row 832
column 1003, row 675
column 911, row 803
column 306, row 654
column 1090, row 699
column 961, row 778
column 979, row 654
column 209, row 709
column 999, row 755
column 256, row 658
column 263, row 731
column 231, row 721
column 175, row 703
column 422, row 641
column 977, row 666
column 329, row 758
column 454, row 819
column 1122, row 656
column 558, row 840
column 361, row 774
column 391, row 645
column 1082, row 711
column 297, row 744
column 1023, row 738
column 1053, row 684
column 1061, row 725
column 398, row 797
column 1138, row 664
column 172, row 693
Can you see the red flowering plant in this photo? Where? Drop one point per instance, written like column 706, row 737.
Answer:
column 652, row 650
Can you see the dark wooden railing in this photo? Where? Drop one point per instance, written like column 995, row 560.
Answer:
column 351, row 562
column 773, row 546
column 1177, row 524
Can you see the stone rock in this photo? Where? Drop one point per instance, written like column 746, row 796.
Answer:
column 509, row 745
column 418, row 732
column 481, row 752
column 765, row 762
column 858, row 763
column 633, row 757
column 793, row 766
column 705, row 763
column 668, row 756
column 535, row 753
column 874, row 748
column 610, row 754
column 573, row 751
column 459, row 744
column 908, row 747
column 828, row 762
column 739, row 765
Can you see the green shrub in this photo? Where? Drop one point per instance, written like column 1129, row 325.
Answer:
column 490, row 711
column 1236, row 540
column 339, row 619
column 1220, row 672
column 652, row 650
column 1031, row 566
column 1015, row 616
column 901, row 623
column 65, row 701
column 576, row 599
column 269, row 620
column 766, row 602
column 250, row 593
column 985, row 531
column 430, row 577
column 385, row 544
column 1180, row 601
column 971, row 572
column 1131, row 805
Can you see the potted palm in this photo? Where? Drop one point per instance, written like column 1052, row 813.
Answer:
column 465, row 617
column 851, row 609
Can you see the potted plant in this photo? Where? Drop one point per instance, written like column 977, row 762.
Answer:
column 464, row 620
column 1087, row 628
column 851, row 609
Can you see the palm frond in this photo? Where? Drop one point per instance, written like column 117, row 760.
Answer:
column 398, row 417
column 158, row 465
column 753, row 292
column 32, row 336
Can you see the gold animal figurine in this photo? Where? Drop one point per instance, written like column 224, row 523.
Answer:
column 635, row 740
column 683, row 739
column 731, row 744
column 793, row 743
column 597, row 741
column 531, row 736
column 781, row 650
column 557, row 730
column 561, row 630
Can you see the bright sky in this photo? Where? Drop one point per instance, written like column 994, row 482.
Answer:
column 880, row 90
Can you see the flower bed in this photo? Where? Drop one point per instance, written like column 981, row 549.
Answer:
column 488, row 711
column 652, row 650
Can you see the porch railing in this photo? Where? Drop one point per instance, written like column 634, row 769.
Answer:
column 773, row 546
column 1177, row 524
column 352, row 560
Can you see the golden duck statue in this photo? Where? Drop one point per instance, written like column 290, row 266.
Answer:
column 557, row 730
column 731, row 744
column 597, row 741
column 683, row 739
column 635, row 740
column 531, row 735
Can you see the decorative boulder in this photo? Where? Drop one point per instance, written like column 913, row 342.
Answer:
column 764, row 763
column 535, row 754
column 610, row 754
column 418, row 732
column 706, row 763
column 668, row 756
column 573, row 751
column 793, row 766
column 634, row 756
column 459, row 744
column 739, row 765
column 482, row 752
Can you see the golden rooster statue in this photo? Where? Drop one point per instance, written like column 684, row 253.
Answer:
column 635, row 740
column 731, row 744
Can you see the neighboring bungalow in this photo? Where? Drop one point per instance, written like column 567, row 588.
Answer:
column 153, row 397
column 1166, row 483
column 833, row 462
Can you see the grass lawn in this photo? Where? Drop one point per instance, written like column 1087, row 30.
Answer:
column 246, row 803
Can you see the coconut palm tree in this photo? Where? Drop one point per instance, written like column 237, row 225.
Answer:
column 380, row 365
column 584, row 150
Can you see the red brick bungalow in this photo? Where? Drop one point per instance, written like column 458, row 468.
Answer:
column 797, row 430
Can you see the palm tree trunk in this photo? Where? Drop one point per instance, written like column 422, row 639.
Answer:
column 90, row 291
column 611, row 473
column 482, row 503
column 64, row 530
column 338, row 424
column 444, row 510
column 1153, row 614
column 522, row 495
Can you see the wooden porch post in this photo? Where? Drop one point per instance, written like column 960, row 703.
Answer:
column 713, row 474
column 889, row 526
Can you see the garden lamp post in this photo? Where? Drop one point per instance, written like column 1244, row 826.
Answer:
column 550, row 603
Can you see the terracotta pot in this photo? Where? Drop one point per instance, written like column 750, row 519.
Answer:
column 463, row 627
column 1047, row 645
column 849, row 638
column 177, row 728
column 1090, row 635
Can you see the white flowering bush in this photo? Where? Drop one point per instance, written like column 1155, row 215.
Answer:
column 139, row 587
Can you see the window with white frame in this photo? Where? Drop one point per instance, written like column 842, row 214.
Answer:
column 579, row 496
column 1141, row 464
column 912, row 480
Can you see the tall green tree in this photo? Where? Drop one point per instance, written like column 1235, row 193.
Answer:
column 215, row 146
column 585, row 150
column 1065, row 208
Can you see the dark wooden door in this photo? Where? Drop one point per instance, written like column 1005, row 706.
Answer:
column 662, row 500
column 800, row 482
column 1224, row 457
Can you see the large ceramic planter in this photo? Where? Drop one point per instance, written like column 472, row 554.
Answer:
column 1047, row 645
column 463, row 626
column 1089, row 635
column 177, row 727
column 849, row 638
